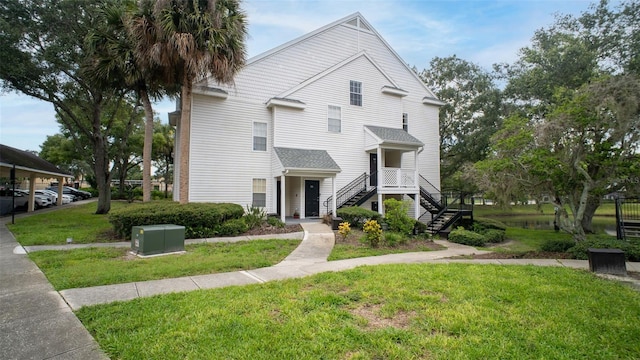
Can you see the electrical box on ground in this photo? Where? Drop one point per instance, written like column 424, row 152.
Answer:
column 157, row 239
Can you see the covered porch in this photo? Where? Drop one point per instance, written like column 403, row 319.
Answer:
column 301, row 176
column 393, row 162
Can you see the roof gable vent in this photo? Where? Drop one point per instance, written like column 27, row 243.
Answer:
column 358, row 23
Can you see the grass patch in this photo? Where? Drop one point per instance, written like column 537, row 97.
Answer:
column 54, row 227
column 352, row 247
column 453, row 311
column 605, row 209
column 101, row 266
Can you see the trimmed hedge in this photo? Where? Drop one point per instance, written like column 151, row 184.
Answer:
column 466, row 237
column 233, row 227
column 557, row 245
column 357, row 216
column 488, row 224
column 493, row 236
column 199, row 219
column 631, row 248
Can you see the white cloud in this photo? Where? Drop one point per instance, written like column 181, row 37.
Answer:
column 484, row 32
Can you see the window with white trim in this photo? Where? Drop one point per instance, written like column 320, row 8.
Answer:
column 405, row 121
column 355, row 93
column 259, row 136
column 259, row 193
column 334, row 118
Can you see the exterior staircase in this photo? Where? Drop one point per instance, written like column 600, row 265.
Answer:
column 440, row 212
column 627, row 218
column 356, row 193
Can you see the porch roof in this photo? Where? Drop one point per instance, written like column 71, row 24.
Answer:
column 308, row 160
column 386, row 136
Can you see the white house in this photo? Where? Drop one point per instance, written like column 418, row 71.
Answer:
column 333, row 114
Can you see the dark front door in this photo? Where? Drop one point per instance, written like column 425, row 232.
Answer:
column 373, row 169
column 279, row 199
column 311, row 198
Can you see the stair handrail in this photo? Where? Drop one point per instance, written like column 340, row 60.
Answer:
column 449, row 206
column 430, row 189
column 348, row 191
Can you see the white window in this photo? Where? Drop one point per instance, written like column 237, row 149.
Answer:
column 259, row 136
column 355, row 93
column 334, row 118
column 259, row 192
column 405, row 121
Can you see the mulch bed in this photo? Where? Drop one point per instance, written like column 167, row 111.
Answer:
column 525, row 255
column 414, row 244
column 267, row 229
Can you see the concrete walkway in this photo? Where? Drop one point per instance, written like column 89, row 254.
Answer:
column 309, row 258
column 36, row 322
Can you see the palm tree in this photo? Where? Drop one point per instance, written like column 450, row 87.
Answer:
column 195, row 38
column 116, row 65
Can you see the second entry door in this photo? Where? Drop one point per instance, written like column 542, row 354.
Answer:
column 311, row 198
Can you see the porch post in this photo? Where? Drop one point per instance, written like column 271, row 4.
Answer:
column 416, row 177
column 380, row 180
column 333, row 194
column 283, row 203
column 32, row 192
column 60, row 192
column 416, row 205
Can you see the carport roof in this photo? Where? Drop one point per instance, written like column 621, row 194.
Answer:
column 26, row 163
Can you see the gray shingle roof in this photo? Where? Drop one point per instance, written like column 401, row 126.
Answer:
column 396, row 136
column 306, row 159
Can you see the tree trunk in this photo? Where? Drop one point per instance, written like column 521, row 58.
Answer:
column 593, row 202
column 146, row 150
column 103, row 175
column 101, row 153
column 185, row 136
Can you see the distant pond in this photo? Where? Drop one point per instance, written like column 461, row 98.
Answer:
column 601, row 224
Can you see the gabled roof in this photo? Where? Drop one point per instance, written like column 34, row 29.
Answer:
column 306, row 159
column 336, row 67
column 354, row 20
column 386, row 136
column 27, row 163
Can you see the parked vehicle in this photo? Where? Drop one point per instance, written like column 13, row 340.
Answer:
column 7, row 197
column 40, row 200
column 74, row 193
column 79, row 193
column 53, row 196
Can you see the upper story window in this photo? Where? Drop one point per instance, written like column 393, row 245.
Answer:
column 334, row 118
column 405, row 121
column 259, row 136
column 355, row 93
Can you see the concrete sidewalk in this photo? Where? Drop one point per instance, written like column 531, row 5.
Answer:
column 35, row 322
column 307, row 259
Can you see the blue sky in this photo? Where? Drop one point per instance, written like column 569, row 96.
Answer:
column 483, row 32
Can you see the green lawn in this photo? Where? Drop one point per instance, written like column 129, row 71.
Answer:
column 417, row 311
column 54, row 227
column 101, row 266
column 606, row 209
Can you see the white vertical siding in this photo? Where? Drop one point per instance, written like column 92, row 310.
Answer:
column 223, row 163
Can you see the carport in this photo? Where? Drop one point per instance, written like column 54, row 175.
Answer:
column 28, row 165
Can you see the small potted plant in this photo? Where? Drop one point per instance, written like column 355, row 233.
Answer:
column 296, row 214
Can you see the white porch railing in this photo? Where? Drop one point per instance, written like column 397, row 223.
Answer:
column 399, row 178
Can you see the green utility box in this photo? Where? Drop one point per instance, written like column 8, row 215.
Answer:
column 157, row 239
